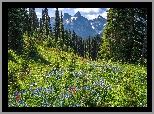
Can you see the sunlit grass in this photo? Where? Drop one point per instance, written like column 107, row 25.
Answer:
column 76, row 84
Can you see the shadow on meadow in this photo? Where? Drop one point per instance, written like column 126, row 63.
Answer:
column 11, row 58
column 13, row 80
column 38, row 58
column 12, row 73
column 12, row 77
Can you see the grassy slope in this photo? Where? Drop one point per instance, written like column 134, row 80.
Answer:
column 128, row 76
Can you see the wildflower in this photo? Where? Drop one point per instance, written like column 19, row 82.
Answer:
column 108, row 87
column 42, row 103
column 117, row 85
column 12, row 96
column 62, row 105
column 92, row 64
column 21, row 102
column 26, row 105
column 69, row 89
column 30, row 86
column 119, row 69
column 95, row 83
column 52, row 89
column 48, row 89
column 40, row 88
column 75, row 106
column 80, row 72
column 35, row 91
column 75, row 88
column 50, row 73
column 17, row 96
column 87, row 87
column 101, row 83
column 98, row 103
column 98, row 95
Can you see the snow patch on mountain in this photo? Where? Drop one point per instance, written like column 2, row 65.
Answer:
column 73, row 18
column 81, row 25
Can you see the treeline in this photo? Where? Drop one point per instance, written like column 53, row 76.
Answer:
column 124, row 38
column 38, row 31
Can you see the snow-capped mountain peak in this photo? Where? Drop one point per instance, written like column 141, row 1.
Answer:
column 81, row 25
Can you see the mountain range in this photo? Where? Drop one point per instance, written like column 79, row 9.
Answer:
column 81, row 25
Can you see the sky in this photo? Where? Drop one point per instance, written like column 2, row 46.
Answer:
column 89, row 13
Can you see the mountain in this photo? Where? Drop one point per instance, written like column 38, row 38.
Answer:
column 81, row 25
column 98, row 23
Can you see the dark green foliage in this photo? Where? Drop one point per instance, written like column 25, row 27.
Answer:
column 62, row 27
column 41, row 26
column 33, row 22
column 73, row 39
column 125, row 35
column 46, row 26
column 124, row 38
column 57, row 25
column 16, row 28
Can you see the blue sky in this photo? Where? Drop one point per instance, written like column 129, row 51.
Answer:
column 89, row 13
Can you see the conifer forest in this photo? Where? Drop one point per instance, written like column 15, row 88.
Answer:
column 50, row 66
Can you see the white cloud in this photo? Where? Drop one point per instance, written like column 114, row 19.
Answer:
column 59, row 8
column 104, row 14
column 87, row 10
column 38, row 13
column 93, row 16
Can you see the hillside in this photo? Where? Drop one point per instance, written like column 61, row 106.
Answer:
column 73, row 81
column 58, row 68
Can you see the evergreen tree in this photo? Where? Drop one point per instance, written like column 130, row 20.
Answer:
column 89, row 47
column 16, row 22
column 73, row 39
column 69, row 38
column 25, row 21
column 33, row 21
column 124, row 34
column 66, row 39
column 61, row 32
column 94, row 48
column 76, row 44
column 62, row 27
column 41, row 26
column 46, row 24
column 57, row 25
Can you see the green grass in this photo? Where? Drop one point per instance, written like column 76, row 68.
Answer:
column 49, row 79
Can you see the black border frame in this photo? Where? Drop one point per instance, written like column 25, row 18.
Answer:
column 6, row 5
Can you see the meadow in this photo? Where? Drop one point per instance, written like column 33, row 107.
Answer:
column 53, row 78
